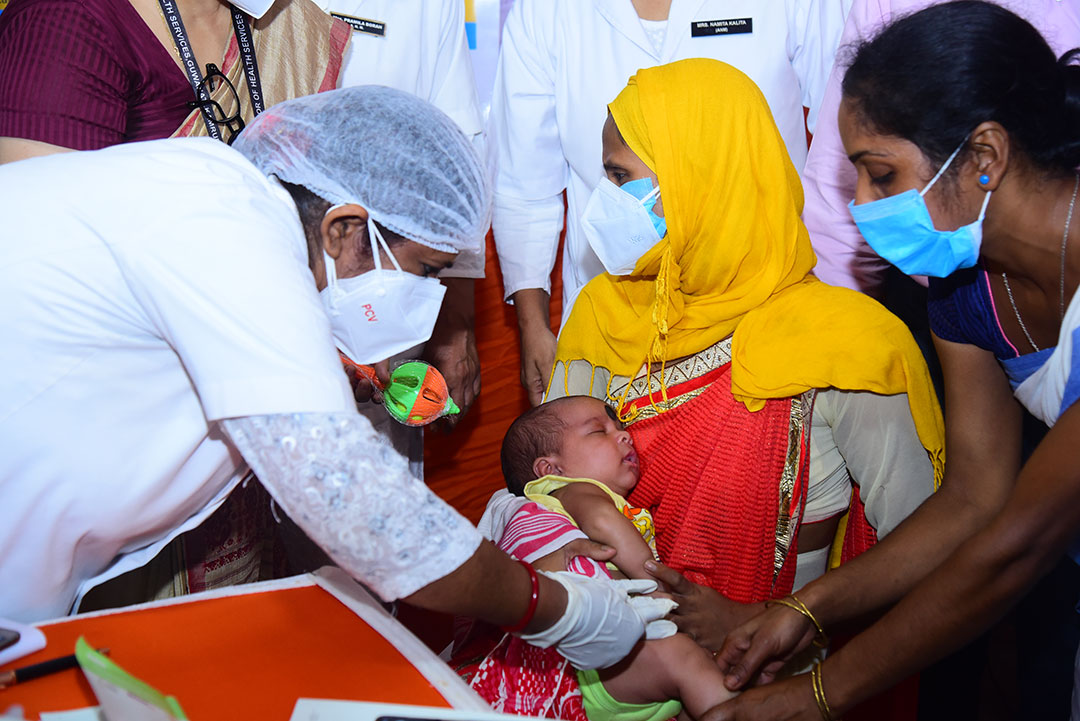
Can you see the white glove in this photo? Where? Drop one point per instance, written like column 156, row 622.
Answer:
column 661, row 628
column 602, row 623
column 653, row 611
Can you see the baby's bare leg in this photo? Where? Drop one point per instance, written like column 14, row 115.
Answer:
column 673, row 667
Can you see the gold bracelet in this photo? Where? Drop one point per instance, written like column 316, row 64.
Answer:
column 821, row 640
column 819, row 692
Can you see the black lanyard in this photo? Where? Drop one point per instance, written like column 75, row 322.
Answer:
column 242, row 29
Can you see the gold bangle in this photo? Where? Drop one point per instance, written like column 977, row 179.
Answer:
column 821, row 640
column 819, row 692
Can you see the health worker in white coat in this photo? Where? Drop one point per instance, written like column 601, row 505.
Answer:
column 171, row 314
column 562, row 61
column 420, row 47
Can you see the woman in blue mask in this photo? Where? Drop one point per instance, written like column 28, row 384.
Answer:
column 965, row 132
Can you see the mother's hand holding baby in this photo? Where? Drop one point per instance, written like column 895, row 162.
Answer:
column 703, row 613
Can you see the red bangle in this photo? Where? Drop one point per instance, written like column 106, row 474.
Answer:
column 531, row 610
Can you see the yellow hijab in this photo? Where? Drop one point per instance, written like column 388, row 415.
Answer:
column 736, row 259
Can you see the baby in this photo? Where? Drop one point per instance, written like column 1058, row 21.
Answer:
column 573, row 457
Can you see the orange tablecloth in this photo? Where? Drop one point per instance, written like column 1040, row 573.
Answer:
column 236, row 657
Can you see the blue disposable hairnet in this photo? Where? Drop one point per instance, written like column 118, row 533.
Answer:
column 397, row 156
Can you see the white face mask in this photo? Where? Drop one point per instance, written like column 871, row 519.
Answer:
column 380, row 313
column 619, row 226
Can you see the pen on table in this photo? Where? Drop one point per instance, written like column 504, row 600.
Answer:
column 10, row 678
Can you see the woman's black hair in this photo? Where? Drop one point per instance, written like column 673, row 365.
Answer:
column 933, row 76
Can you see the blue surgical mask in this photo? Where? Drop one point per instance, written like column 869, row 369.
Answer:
column 899, row 229
column 643, row 190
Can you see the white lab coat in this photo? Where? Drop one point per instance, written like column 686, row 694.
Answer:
column 562, row 61
column 149, row 290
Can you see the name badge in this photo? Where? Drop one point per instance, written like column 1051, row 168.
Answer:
column 731, row 26
column 363, row 25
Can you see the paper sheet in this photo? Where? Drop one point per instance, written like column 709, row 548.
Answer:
column 122, row 696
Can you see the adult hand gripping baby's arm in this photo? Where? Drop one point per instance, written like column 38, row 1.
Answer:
column 702, row 613
column 788, row 700
column 759, row 648
column 560, row 559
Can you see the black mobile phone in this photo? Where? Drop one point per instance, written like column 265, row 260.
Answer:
column 8, row 637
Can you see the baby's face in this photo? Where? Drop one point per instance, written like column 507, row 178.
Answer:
column 595, row 445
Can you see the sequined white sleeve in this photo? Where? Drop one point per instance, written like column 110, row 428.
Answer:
column 352, row 493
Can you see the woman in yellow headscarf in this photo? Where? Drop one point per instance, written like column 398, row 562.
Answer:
column 721, row 351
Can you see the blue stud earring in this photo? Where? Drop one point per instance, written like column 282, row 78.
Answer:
column 984, row 179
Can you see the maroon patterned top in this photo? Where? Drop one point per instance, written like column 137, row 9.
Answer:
column 86, row 74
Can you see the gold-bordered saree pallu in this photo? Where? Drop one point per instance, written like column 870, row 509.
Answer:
column 299, row 50
column 726, row 486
